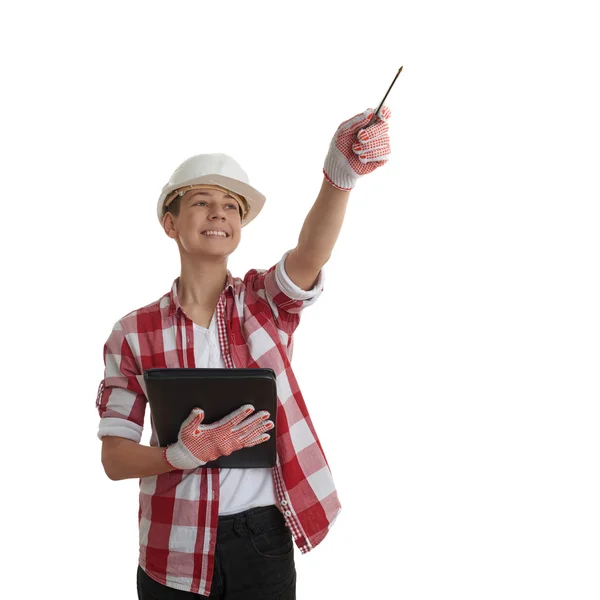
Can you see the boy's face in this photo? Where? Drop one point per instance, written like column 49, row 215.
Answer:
column 205, row 209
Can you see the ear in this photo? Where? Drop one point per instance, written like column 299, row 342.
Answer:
column 169, row 225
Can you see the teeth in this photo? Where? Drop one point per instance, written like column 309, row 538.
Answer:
column 221, row 233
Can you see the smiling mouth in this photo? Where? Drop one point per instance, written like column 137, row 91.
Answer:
column 216, row 236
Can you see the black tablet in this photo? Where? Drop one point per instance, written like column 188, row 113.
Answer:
column 173, row 393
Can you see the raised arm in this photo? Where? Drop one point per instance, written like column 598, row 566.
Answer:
column 318, row 236
column 356, row 149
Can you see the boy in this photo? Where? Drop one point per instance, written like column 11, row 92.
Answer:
column 229, row 533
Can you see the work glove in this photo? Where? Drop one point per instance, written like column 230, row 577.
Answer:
column 198, row 444
column 357, row 148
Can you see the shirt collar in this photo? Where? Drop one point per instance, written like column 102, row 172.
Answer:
column 175, row 305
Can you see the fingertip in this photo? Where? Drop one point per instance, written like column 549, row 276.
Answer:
column 264, row 438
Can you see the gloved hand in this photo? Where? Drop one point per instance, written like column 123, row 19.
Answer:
column 198, row 444
column 355, row 151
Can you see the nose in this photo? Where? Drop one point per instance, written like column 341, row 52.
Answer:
column 217, row 212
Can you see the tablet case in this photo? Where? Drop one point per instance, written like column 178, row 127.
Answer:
column 173, row 393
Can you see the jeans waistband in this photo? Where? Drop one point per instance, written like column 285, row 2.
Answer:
column 253, row 518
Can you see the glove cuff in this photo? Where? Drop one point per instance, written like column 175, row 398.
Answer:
column 179, row 457
column 337, row 174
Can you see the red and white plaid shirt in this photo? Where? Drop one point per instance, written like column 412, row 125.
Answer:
column 178, row 514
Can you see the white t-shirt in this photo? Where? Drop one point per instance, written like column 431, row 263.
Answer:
column 241, row 489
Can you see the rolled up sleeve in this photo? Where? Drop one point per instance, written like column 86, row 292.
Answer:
column 296, row 299
column 284, row 297
column 120, row 401
column 285, row 294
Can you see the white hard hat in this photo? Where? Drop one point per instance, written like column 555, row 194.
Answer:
column 216, row 169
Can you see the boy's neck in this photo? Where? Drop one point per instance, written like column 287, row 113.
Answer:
column 201, row 284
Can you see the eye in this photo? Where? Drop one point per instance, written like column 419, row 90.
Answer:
column 204, row 202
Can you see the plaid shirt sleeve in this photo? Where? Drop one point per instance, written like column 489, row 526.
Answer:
column 285, row 298
column 121, row 401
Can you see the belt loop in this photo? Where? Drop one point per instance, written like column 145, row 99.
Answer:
column 239, row 526
column 250, row 520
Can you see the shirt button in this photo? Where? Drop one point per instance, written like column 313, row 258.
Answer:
column 284, row 503
column 288, row 513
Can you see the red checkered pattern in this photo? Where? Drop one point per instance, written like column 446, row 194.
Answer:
column 178, row 514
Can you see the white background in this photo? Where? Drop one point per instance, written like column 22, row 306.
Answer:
column 451, row 366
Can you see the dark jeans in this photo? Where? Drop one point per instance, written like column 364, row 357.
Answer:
column 254, row 560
